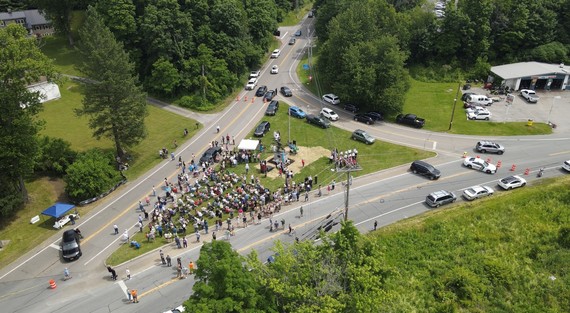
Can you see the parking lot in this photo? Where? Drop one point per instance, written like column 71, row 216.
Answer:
column 553, row 106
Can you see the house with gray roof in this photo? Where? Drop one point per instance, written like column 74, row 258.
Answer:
column 534, row 75
column 32, row 20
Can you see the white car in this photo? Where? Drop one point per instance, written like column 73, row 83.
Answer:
column 479, row 115
column 440, row 6
column 331, row 98
column 473, row 109
column 275, row 54
column 330, row 114
column 566, row 165
column 274, row 69
column 477, row 192
column 512, row 182
column 529, row 95
column 177, row 309
column 254, row 74
column 480, row 165
column 251, row 84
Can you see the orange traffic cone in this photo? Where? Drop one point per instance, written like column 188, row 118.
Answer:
column 488, row 160
column 245, row 99
column 464, row 154
column 527, row 171
column 237, row 98
column 513, row 168
column 499, row 164
column 52, row 284
column 252, row 99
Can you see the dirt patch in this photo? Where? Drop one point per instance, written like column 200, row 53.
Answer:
column 307, row 154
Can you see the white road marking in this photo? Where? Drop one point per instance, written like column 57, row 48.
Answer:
column 57, row 247
column 123, row 287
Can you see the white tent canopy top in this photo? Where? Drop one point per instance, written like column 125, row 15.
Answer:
column 248, row 144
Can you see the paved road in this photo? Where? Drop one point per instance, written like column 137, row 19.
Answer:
column 386, row 196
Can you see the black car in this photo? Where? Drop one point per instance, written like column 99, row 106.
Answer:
column 70, row 246
column 269, row 95
column 286, row 91
column 351, row 108
column 425, row 169
column 261, row 129
column 466, row 95
column 377, row 116
column 210, row 155
column 319, row 121
column 261, row 91
column 363, row 118
column 272, row 107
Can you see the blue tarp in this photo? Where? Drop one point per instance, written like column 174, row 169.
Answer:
column 58, row 210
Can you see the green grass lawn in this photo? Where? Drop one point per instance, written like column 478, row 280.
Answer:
column 434, row 102
column 304, row 74
column 64, row 57
column 126, row 252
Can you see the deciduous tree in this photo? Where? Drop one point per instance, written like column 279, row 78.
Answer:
column 114, row 101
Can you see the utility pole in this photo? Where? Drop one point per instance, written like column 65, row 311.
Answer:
column 454, row 104
column 347, row 162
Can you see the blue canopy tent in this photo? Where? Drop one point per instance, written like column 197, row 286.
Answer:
column 58, row 210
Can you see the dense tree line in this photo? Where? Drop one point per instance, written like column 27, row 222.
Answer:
column 366, row 45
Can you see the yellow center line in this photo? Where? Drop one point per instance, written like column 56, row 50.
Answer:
column 559, row 153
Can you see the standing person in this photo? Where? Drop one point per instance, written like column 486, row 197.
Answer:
column 141, row 206
column 213, row 235
column 66, row 274
column 375, row 224
column 246, row 168
column 72, row 219
column 129, row 295
column 306, row 196
column 128, row 273
column 153, row 191
column 162, row 257
column 140, row 225
column 191, row 267
column 116, row 228
column 184, row 242
column 290, row 229
column 179, row 271
column 179, row 261
column 168, row 260
column 218, row 129
column 135, row 296
column 112, row 272
column 301, row 211
column 333, row 184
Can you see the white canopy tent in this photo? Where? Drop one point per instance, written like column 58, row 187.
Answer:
column 248, row 144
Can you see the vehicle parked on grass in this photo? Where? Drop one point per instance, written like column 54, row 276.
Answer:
column 261, row 91
column 70, row 245
column 439, row 198
column 331, row 98
column 512, row 182
column 411, row 120
column 272, row 107
column 329, row 113
column 425, row 169
column 297, row 112
column 319, row 121
column 362, row 136
column 363, row 118
column 566, row 165
column 480, row 165
column 286, row 91
column 261, row 129
column 476, row 192
column 529, row 95
column 275, row 69
column 485, row 146
column 275, row 54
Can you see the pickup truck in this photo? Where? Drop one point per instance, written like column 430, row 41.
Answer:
column 410, row 119
column 529, row 95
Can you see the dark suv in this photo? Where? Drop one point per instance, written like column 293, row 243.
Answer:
column 363, row 118
column 319, row 121
column 272, row 107
column 425, row 169
column 351, row 108
column 210, row 155
column 485, row 146
column 70, row 246
column 261, row 91
column 262, row 128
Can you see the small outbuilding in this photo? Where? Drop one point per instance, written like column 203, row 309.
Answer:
column 533, row 75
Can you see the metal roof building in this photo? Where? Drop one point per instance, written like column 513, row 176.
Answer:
column 534, row 75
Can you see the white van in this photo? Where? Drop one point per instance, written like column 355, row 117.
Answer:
column 479, row 100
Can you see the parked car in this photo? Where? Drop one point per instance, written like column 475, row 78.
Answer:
column 512, row 182
column 329, row 113
column 377, row 116
column 472, row 108
column 351, row 108
column 261, row 129
column 70, row 245
column 466, row 95
column 297, row 112
column 178, row 309
column 286, row 91
column 292, row 41
column 331, row 98
column 529, row 95
column 477, row 192
column 319, row 121
column 269, row 95
column 254, row 74
column 439, row 198
column 363, row 118
column 261, row 91
column 361, row 135
column 479, row 115
column 480, row 165
column 566, row 165
column 425, row 169
column 274, row 69
column 251, row 84
column 485, row 146
column 210, row 155
column 411, row 120
column 275, row 54
column 272, row 107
